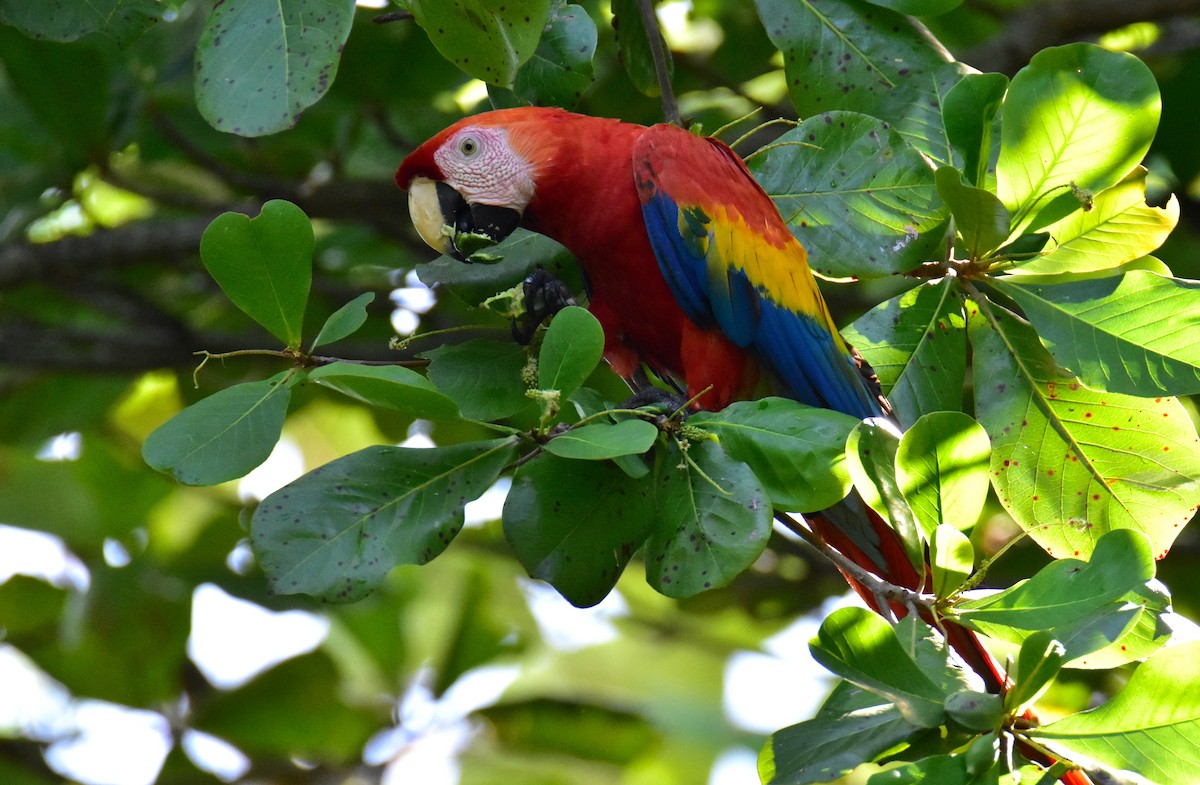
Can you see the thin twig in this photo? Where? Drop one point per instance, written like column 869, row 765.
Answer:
column 391, row 16
column 879, row 588
column 654, row 36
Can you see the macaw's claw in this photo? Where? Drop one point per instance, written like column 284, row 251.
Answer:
column 657, row 398
column 545, row 296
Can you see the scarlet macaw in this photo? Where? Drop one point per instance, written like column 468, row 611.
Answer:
column 689, row 267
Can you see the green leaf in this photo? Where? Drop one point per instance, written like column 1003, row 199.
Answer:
column 1066, row 589
column 797, row 452
column 850, row 55
column 571, row 349
column 852, row 727
column 305, row 686
column 713, row 520
column 577, row 525
column 1152, row 727
column 864, row 649
column 561, row 66
column 1077, row 117
column 65, row 87
column 979, row 711
column 344, row 322
column 942, row 470
column 1039, row 661
column 519, row 253
column 224, row 436
column 488, row 39
column 387, row 386
column 951, row 558
column 634, row 47
column 70, row 20
column 862, row 202
column 1136, row 333
column 1069, row 463
column 264, row 265
column 979, row 217
column 917, row 345
column 260, row 63
column 918, row 7
column 969, row 113
column 482, row 377
column 602, row 441
column 1118, row 228
column 871, row 452
column 338, row 530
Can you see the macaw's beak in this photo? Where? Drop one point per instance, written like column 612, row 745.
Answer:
column 449, row 225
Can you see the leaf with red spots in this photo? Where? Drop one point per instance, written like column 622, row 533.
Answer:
column 1138, row 333
column 713, row 520
column 338, row 530
column 917, row 345
column 1070, row 463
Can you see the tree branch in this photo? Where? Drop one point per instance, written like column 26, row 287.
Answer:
column 1039, row 25
column 654, row 36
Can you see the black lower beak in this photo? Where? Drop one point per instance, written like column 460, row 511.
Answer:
column 476, row 226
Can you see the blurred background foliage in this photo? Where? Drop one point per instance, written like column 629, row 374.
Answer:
column 108, row 175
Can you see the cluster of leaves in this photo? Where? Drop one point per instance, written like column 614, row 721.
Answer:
column 1018, row 212
column 1038, row 262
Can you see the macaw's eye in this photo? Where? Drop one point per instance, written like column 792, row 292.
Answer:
column 468, row 146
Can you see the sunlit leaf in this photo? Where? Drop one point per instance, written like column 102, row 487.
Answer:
column 338, row 530
column 968, row 113
column 224, row 436
column 942, row 470
column 1069, row 463
column 861, row 201
column 1077, row 118
column 852, row 727
column 260, row 63
column 1138, row 333
column 1151, row 727
column 979, row 217
column 264, row 264
column 917, row 345
column 1067, row 589
column 862, row 648
column 712, row 521
column 796, row 451
column 871, row 458
column 1118, row 228
column 951, row 557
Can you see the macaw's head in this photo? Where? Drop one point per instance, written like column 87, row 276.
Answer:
column 469, row 185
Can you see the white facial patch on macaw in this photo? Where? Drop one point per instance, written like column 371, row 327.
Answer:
column 479, row 163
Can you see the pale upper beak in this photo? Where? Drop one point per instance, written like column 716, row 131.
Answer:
column 451, row 225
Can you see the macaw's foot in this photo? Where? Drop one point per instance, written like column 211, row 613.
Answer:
column 545, row 296
column 666, row 401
